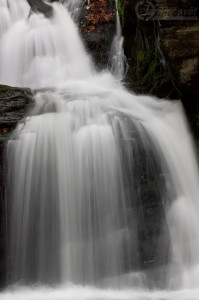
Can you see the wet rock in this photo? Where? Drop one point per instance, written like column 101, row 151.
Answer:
column 148, row 71
column 163, row 53
column 14, row 103
column 97, row 25
column 173, row 33
column 181, row 48
column 40, row 6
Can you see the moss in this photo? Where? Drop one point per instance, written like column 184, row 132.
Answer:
column 149, row 73
column 15, row 91
column 5, row 88
column 121, row 9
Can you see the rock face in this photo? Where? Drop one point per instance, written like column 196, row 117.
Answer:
column 97, row 25
column 181, row 48
column 172, row 30
column 14, row 103
column 40, row 6
column 162, row 47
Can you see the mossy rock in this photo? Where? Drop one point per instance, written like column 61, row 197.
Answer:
column 14, row 103
column 149, row 73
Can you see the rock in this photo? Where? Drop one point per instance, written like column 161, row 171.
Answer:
column 181, row 48
column 148, row 72
column 97, row 26
column 163, row 54
column 14, row 103
column 40, row 6
column 188, row 71
column 177, row 42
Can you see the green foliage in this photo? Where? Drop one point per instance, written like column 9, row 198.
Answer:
column 5, row 88
column 150, row 72
column 121, row 11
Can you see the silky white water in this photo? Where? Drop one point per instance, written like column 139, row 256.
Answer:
column 83, row 169
column 118, row 61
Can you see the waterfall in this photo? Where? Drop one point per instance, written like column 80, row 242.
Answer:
column 74, row 7
column 89, row 170
column 40, row 42
column 118, row 63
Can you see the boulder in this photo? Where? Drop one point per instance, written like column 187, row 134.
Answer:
column 40, row 6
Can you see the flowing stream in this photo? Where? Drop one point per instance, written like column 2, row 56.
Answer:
column 118, row 62
column 89, row 170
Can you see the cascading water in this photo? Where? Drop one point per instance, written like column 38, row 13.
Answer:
column 118, row 63
column 83, row 167
column 47, row 56
column 74, row 7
